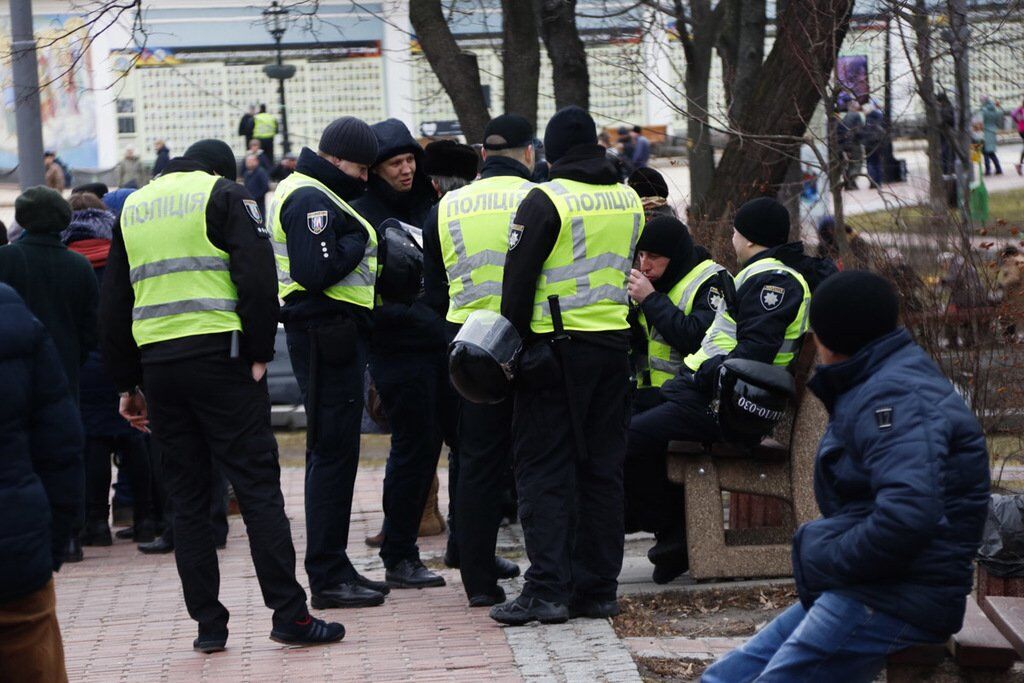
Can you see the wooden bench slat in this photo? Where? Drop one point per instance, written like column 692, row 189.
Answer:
column 1008, row 616
column 979, row 643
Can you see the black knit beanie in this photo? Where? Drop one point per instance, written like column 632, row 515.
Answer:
column 450, row 158
column 42, row 210
column 215, row 156
column 666, row 236
column 763, row 221
column 648, row 183
column 568, row 128
column 350, row 139
column 851, row 309
column 98, row 189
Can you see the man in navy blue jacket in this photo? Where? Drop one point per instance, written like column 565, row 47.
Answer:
column 902, row 480
column 41, row 487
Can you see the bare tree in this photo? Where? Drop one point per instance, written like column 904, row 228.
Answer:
column 457, row 71
column 566, row 51
column 789, row 89
column 741, row 48
column 520, row 57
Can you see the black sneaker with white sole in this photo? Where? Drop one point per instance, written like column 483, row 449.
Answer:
column 309, row 631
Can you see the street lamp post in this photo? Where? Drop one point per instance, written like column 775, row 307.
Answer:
column 275, row 18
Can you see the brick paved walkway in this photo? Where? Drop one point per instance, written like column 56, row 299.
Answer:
column 123, row 619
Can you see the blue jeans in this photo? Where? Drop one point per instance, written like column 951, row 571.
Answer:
column 839, row 639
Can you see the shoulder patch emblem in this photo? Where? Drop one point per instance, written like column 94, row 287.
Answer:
column 515, row 234
column 253, row 209
column 883, row 418
column 771, row 297
column 316, row 221
column 714, row 298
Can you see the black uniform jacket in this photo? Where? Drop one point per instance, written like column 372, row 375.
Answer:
column 541, row 225
column 435, row 277
column 320, row 256
column 761, row 319
column 231, row 227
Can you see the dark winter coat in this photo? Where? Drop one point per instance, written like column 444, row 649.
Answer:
column 258, row 184
column 163, row 157
column 400, row 327
column 60, row 289
column 902, row 481
column 41, row 476
column 89, row 235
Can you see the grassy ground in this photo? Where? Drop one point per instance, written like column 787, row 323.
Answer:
column 1006, row 213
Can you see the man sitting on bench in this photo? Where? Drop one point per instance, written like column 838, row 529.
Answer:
column 764, row 319
column 902, row 479
column 676, row 291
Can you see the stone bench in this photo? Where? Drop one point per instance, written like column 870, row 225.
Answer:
column 781, row 468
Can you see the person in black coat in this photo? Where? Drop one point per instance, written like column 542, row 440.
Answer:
column 163, row 157
column 40, row 491
column 407, row 362
column 107, row 433
column 255, row 179
column 57, row 285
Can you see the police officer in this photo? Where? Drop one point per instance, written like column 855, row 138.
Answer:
column 465, row 241
column 573, row 237
column 264, row 128
column 326, row 269
column 407, row 362
column 766, row 321
column 189, row 311
column 676, row 290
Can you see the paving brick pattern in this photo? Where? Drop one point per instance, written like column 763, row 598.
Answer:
column 123, row 618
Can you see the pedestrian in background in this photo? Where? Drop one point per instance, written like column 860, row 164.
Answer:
column 40, row 493
column 992, row 122
column 264, row 130
column 1018, row 119
column 163, row 157
column 255, row 179
column 247, row 124
column 641, row 148
column 130, row 172
column 873, row 137
column 54, row 174
column 107, row 434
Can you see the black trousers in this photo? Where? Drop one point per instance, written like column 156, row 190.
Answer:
column 572, row 509
column 206, row 410
column 332, row 454
column 267, row 144
column 485, row 459
column 132, row 454
column 420, row 405
column 654, row 503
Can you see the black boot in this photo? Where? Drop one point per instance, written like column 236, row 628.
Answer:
column 161, row 546
column 495, row 596
column 73, row 551
column 507, row 569
column 523, row 610
column 349, row 594
column 97, row 533
column 591, row 608
column 144, row 531
column 210, row 642
column 412, row 574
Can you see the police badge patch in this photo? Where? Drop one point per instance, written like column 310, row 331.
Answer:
column 714, row 298
column 316, row 221
column 771, row 297
column 253, row 209
column 514, row 235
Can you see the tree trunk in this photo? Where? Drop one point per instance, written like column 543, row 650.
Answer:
column 958, row 36
column 520, row 57
column 788, row 90
column 749, row 54
column 566, row 51
column 728, row 48
column 456, row 70
column 926, row 89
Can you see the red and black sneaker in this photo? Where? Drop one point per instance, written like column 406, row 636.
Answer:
column 309, row 631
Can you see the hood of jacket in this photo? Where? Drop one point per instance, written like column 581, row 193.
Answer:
column 89, row 224
column 586, row 164
column 393, row 138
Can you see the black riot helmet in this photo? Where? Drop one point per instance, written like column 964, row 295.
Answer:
column 752, row 398
column 401, row 261
column 482, row 358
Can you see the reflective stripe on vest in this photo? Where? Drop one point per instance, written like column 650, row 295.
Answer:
column 356, row 287
column 473, row 228
column 720, row 339
column 181, row 281
column 589, row 265
column 664, row 361
column 264, row 126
